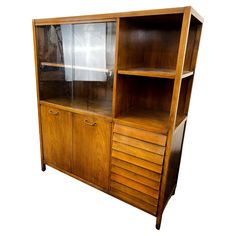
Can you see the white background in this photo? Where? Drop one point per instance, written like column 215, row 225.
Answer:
column 51, row 203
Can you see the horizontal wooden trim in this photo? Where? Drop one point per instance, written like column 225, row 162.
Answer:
column 70, row 20
column 134, row 201
column 140, row 134
column 139, row 143
column 144, row 197
column 133, row 176
column 107, row 16
column 136, row 161
column 75, row 110
column 142, row 154
column 134, row 185
column 145, row 127
column 136, row 169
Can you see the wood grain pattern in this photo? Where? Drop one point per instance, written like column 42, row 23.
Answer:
column 115, row 94
column 174, row 108
column 135, row 185
column 139, row 143
column 135, row 177
column 134, row 201
column 149, row 120
column 127, row 140
column 134, row 193
column 91, row 149
column 174, row 162
column 137, row 169
column 140, row 134
column 55, row 125
column 80, row 106
column 148, row 156
column 193, row 65
column 136, row 161
column 43, row 167
column 106, row 17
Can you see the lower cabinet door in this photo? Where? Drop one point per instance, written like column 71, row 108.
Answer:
column 57, row 137
column 91, row 149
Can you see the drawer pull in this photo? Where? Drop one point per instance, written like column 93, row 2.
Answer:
column 51, row 112
column 89, row 123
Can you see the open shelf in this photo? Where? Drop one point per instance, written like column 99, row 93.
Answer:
column 80, row 105
column 153, row 72
column 156, row 121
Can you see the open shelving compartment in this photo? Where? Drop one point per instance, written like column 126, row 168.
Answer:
column 147, row 59
column 145, row 102
column 148, row 46
column 76, row 66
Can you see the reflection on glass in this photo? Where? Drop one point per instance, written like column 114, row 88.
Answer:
column 76, row 64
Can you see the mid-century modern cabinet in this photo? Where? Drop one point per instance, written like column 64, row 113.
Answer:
column 113, row 96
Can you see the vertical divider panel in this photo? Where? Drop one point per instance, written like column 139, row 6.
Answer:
column 193, row 66
column 115, row 68
column 174, row 106
column 114, row 92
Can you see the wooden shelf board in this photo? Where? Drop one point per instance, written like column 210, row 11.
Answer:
column 152, row 72
column 61, row 65
column 154, row 121
column 81, row 106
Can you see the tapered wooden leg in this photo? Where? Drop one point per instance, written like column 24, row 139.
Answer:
column 158, row 222
column 173, row 192
column 43, row 167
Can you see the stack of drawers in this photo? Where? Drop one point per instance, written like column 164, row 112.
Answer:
column 136, row 166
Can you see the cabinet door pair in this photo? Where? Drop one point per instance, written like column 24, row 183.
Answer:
column 79, row 144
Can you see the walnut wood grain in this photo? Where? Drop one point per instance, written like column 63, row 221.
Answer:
column 137, row 161
column 55, row 125
column 132, row 167
column 139, row 143
column 91, row 149
column 140, row 134
column 127, row 138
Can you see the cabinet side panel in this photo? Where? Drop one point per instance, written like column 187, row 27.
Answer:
column 38, row 95
column 174, row 162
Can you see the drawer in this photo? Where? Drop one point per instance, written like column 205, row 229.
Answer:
column 139, row 143
column 136, row 166
column 125, row 196
column 140, row 134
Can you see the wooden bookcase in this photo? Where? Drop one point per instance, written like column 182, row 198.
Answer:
column 113, row 96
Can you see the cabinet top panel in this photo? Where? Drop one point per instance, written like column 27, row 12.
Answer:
column 113, row 16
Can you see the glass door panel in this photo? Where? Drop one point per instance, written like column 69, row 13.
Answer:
column 54, row 50
column 76, row 65
column 94, row 49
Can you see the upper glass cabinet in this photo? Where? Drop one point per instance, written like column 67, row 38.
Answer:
column 76, row 65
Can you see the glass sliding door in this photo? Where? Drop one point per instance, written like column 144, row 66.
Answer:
column 76, row 65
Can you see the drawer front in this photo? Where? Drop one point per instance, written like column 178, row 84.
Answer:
column 140, row 134
column 136, row 166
